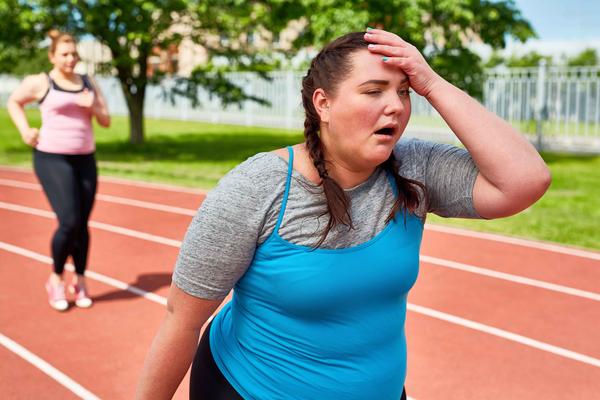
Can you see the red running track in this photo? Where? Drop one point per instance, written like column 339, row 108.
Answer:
column 489, row 318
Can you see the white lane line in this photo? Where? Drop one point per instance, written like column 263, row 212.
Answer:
column 46, row 368
column 438, row 261
column 519, row 242
column 107, row 280
column 512, row 278
column 109, row 198
column 120, row 181
column 490, row 330
column 412, row 307
column 95, row 224
column 152, row 185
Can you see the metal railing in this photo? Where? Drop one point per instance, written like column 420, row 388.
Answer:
column 558, row 108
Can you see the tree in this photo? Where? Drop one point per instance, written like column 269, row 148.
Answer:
column 587, row 58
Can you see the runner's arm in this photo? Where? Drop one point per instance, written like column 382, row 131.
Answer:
column 30, row 90
column 175, row 344
column 99, row 108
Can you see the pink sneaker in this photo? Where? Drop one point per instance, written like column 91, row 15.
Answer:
column 81, row 297
column 56, row 296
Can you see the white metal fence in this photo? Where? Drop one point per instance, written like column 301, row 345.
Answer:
column 559, row 105
column 559, row 108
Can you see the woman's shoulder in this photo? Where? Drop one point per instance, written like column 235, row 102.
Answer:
column 260, row 170
column 32, row 88
column 36, row 82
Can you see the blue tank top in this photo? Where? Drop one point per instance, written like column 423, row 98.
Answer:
column 308, row 323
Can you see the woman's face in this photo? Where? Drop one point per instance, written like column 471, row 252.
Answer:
column 65, row 57
column 367, row 113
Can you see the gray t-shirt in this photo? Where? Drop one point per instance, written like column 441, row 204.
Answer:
column 241, row 212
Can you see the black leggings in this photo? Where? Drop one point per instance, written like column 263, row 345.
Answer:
column 69, row 182
column 206, row 380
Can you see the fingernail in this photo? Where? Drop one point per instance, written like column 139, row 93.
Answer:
column 371, row 46
column 369, row 28
column 385, row 59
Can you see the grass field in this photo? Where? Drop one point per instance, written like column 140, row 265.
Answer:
column 198, row 154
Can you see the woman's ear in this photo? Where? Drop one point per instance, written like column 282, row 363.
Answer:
column 321, row 103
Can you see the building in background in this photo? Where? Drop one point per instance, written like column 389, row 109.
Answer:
column 183, row 58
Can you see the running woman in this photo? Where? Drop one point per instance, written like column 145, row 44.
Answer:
column 63, row 157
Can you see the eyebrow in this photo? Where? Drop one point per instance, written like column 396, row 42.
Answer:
column 380, row 82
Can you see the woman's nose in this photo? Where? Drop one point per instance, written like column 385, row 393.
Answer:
column 394, row 104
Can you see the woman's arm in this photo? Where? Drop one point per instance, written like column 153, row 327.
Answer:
column 512, row 175
column 99, row 108
column 175, row 344
column 31, row 89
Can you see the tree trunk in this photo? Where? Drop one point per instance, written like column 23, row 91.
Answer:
column 135, row 104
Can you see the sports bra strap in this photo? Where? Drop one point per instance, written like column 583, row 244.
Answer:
column 287, row 187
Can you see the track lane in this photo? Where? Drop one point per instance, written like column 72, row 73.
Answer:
column 416, row 393
column 181, row 197
column 551, row 317
column 19, row 379
column 449, row 361
column 102, row 348
column 562, row 269
column 529, row 319
column 155, row 222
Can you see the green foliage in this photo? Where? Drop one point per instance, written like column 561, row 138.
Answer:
column 495, row 60
column 31, row 62
column 21, row 34
column 587, row 58
column 531, row 59
column 441, row 29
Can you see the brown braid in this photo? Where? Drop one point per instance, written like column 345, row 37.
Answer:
column 327, row 70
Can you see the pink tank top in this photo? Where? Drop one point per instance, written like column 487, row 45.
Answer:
column 66, row 126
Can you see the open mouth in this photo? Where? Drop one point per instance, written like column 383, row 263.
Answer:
column 385, row 131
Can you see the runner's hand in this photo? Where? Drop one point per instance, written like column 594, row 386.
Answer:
column 86, row 98
column 30, row 136
column 397, row 52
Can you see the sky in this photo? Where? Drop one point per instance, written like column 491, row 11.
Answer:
column 563, row 27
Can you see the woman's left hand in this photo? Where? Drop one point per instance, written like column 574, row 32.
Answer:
column 405, row 56
column 86, row 98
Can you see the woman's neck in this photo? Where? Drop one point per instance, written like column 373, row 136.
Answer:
column 57, row 73
column 345, row 175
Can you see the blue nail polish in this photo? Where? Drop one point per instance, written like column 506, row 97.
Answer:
column 369, row 28
column 385, row 59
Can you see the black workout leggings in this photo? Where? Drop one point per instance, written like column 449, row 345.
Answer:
column 69, row 182
column 206, row 380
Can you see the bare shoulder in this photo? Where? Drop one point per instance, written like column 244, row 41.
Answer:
column 302, row 161
column 37, row 81
column 33, row 87
column 283, row 153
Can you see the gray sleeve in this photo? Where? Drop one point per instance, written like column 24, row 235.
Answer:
column 220, row 242
column 448, row 172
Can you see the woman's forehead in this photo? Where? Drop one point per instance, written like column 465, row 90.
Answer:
column 368, row 66
column 66, row 47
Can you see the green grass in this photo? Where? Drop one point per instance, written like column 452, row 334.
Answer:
column 568, row 213
column 186, row 153
column 198, row 154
